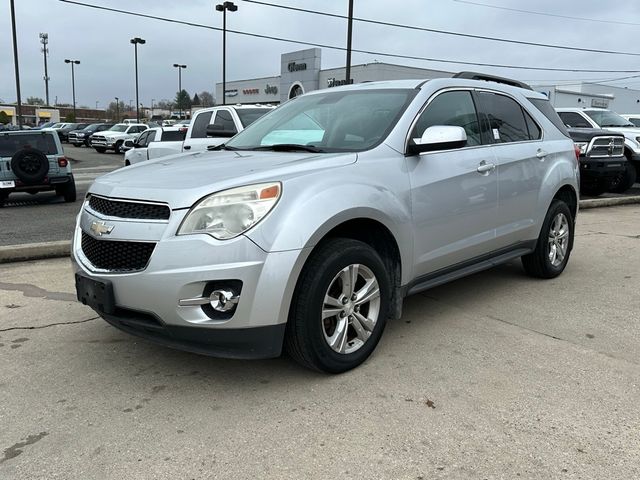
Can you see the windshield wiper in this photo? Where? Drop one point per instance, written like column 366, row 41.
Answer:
column 222, row 146
column 288, row 147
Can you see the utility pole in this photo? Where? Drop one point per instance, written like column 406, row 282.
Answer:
column 44, row 40
column 180, row 67
column 349, row 32
column 117, row 109
column 15, row 61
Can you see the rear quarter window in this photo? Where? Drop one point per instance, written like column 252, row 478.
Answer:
column 173, row 136
column 544, row 107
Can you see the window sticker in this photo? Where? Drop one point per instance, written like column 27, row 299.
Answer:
column 496, row 134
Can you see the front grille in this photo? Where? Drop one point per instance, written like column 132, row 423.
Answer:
column 117, row 256
column 122, row 209
column 602, row 147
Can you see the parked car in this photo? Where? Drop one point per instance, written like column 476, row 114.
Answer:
column 64, row 132
column 113, row 138
column 33, row 161
column 45, row 125
column 608, row 120
column 81, row 137
column 602, row 162
column 272, row 240
column 153, row 143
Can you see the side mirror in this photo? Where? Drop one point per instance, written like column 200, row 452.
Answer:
column 212, row 131
column 439, row 137
column 130, row 144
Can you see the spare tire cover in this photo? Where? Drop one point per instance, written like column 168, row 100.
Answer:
column 30, row 165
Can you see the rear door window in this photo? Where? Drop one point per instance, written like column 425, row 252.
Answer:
column 199, row 129
column 173, row 136
column 506, row 118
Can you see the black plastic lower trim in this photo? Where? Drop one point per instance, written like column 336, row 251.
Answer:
column 469, row 267
column 240, row 343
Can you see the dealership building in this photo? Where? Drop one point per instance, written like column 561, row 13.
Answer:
column 302, row 72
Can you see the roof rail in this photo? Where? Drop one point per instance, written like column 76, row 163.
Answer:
column 492, row 78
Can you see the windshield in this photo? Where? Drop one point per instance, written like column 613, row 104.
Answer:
column 57, row 125
column 91, row 127
column 121, row 127
column 250, row 115
column 605, row 118
column 334, row 121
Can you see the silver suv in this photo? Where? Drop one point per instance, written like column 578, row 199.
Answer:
column 308, row 229
column 33, row 161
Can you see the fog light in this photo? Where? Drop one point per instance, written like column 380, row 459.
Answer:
column 223, row 300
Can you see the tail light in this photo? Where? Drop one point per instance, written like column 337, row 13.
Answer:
column 62, row 162
column 576, row 149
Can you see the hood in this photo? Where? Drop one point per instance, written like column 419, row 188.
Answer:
column 586, row 134
column 112, row 134
column 629, row 132
column 181, row 180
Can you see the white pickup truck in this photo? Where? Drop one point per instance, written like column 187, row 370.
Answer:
column 209, row 127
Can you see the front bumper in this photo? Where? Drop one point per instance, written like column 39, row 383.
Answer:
column 601, row 169
column 183, row 267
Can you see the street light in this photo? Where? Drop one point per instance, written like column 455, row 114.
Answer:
column 152, row 100
column 179, row 67
column 223, row 7
column 117, row 109
column 15, row 62
column 136, row 41
column 73, row 84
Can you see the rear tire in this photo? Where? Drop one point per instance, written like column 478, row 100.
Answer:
column 335, row 323
column 68, row 190
column 554, row 244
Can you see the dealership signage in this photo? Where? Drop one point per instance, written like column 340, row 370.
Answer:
column 231, row 93
column 271, row 90
column 296, row 67
column 250, row 91
column 332, row 82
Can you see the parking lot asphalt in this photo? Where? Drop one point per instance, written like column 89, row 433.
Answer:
column 494, row 376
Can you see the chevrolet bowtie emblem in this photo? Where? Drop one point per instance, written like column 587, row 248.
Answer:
column 101, row 228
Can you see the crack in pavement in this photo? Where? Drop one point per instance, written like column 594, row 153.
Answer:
column 633, row 237
column 32, row 291
column 528, row 329
column 38, row 327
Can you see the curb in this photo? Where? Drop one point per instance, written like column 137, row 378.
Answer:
column 38, row 251
column 609, row 202
column 34, row 251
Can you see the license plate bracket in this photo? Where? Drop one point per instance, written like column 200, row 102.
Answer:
column 97, row 294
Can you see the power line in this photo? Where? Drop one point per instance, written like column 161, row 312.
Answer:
column 547, row 14
column 333, row 47
column 445, row 32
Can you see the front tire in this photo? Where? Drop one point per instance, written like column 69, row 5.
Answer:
column 625, row 181
column 340, row 307
column 554, row 244
column 100, row 149
column 117, row 146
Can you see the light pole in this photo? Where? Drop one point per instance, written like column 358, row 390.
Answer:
column 152, row 100
column 179, row 67
column 223, row 7
column 130, row 107
column 44, row 40
column 73, row 84
column 117, row 109
column 136, row 41
column 96, row 104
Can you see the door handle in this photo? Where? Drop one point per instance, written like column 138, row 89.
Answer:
column 187, row 147
column 485, row 167
column 541, row 154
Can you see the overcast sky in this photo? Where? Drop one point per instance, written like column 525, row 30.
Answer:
column 100, row 40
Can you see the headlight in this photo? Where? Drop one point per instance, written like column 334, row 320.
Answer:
column 229, row 213
column 79, row 134
column 582, row 146
column 638, row 139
